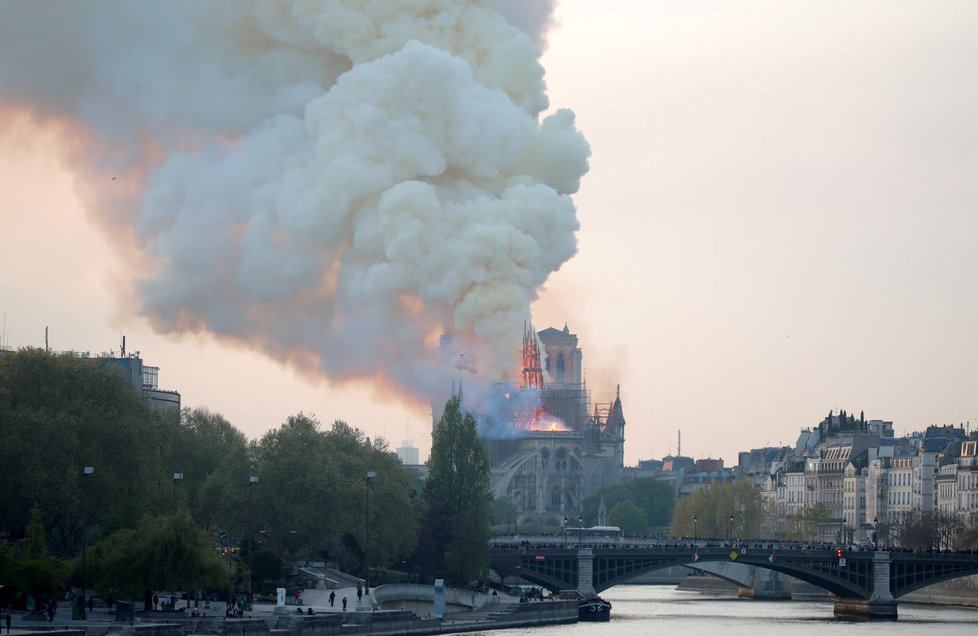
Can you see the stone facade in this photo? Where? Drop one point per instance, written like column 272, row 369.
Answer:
column 548, row 473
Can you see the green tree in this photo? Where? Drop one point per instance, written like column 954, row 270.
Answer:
column 502, row 511
column 629, row 517
column 652, row 496
column 33, row 570
column 266, row 570
column 458, row 497
column 166, row 552
column 59, row 413
column 312, row 494
column 208, row 451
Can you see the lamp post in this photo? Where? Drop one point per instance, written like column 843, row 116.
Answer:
column 580, row 530
column 228, row 554
column 730, row 527
column 876, row 523
column 695, row 533
column 252, row 480
column 87, row 471
column 366, row 539
column 176, row 477
column 565, row 532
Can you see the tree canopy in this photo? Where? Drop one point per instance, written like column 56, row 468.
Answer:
column 60, row 413
column 720, row 510
column 651, row 497
column 458, row 498
column 166, row 552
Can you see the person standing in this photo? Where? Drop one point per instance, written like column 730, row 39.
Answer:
column 344, row 603
column 359, row 594
column 332, row 597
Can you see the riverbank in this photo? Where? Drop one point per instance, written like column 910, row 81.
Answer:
column 362, row 619
column 960, row 592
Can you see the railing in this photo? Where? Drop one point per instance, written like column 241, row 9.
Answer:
column 558, row 542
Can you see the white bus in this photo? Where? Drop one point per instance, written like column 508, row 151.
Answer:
column 595, row 532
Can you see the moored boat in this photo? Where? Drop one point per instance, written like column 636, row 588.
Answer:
column 593, row 608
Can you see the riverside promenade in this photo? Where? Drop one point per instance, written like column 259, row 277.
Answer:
column 359, row 619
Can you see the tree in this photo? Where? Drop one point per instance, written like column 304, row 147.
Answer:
column 312, row 494
column 59, row 413
column 810, row 523
column 653, row 497
column 967, row 539
column 458, row 497
column 502, row 511
column 934, row 530
column 34, row 570
column 715, row 505
column 266, row 568
column 166, row 552
column 629, row 517
column 206, row 445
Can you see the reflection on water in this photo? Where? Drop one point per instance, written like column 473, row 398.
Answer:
column 647, row 609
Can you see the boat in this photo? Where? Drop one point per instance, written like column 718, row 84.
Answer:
column 591, row 607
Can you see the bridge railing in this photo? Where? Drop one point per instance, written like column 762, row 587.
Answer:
column 644, row 543
column 551, row 542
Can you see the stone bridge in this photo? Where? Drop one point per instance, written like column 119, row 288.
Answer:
column 863, row 583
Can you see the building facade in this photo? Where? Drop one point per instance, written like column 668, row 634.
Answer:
column 554, row 448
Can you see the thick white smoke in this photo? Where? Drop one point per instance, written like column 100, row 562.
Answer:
column 334, row 183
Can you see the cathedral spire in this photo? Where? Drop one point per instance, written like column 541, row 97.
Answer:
column 532, row 371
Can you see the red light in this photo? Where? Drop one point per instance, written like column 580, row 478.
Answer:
column 838, row 552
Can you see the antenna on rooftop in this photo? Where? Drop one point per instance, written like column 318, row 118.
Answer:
column 679, row 444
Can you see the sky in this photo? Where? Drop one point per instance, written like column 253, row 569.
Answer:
column 777, row 219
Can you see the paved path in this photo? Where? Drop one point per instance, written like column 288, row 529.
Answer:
column 318, row 600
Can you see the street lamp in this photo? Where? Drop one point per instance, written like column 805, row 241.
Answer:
column 252, row 480
column 730, row 527
column 565, row 532
column 876, row 523
column 695, row 533
column 580, row 530
column 228, row 551
column 176, row 477
column 366, row 541
column 87, row 471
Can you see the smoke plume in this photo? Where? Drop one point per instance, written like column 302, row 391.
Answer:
column 336, row 184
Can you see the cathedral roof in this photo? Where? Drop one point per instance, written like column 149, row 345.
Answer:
column 552, row 332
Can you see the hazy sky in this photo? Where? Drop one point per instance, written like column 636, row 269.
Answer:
column 779, row 220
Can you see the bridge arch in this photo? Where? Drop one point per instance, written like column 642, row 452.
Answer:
column 855, row 581
column 862, row 575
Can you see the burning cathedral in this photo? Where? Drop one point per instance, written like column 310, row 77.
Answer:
column 550, row 447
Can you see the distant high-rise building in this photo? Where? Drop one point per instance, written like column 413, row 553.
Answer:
column 144, row 378
column 408, row 453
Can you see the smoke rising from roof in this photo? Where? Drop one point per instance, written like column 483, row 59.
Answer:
column 335, row 184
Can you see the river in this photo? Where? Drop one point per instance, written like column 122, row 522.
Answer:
column 641, row 610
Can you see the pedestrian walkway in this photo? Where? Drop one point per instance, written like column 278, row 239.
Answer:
column 318, row 600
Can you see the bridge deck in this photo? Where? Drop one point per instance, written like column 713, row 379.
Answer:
column 555, row 563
